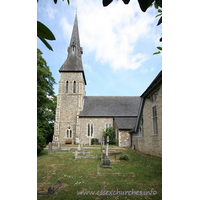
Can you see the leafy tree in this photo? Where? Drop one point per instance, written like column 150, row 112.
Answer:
column 46, row 100
column 111, row 133
column 40, row 141
column 43, row 33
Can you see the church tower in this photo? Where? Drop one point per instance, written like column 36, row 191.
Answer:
column 71, row 92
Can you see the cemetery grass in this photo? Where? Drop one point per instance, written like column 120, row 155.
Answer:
column 141, row 173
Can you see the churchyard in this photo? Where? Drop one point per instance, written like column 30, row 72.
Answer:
column 139, row 177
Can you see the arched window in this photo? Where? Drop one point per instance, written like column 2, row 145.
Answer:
column 74, row 87
column 69, row 133
column 67, row 87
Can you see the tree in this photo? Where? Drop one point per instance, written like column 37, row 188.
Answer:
column 43, row 33
column 46, row 100
column 40, row 141
column 111, row 133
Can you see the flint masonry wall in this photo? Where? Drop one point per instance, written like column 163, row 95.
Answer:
column 150, row 143
column 68, row 106
column 99, row 125
column 124, row 138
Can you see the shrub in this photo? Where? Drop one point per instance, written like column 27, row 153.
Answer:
column 125, row 157
column 94, row 141
column 111, row 133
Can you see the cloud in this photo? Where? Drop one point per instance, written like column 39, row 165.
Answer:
column 47, row 9
column 112, row 32
column 67, row 28
column 50, row 11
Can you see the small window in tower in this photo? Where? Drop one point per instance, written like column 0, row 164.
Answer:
column 70, row 133
column 67, row 133
column 74, row 89
column 67, row 87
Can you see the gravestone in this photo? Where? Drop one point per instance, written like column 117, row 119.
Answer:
column 103, row 186
column 106, row 160
column 59, row 148
column 89, row 140
column 50, row 148
column 76, row 154
column 82, row 146
column 103, row 147
column 79, row 148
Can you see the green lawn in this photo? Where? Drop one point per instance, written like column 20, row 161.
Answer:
column 141, row 173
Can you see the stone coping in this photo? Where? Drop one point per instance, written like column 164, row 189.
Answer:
column 85, row 157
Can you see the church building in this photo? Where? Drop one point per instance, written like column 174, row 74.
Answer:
column 81, row 117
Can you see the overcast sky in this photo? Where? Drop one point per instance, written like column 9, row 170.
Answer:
column 118, row 44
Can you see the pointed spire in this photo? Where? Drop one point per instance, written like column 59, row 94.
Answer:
column 75, row 42
column 73, row 62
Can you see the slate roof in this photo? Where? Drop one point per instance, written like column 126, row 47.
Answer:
column 125, row 123
column 73, row 63
column 110, row 106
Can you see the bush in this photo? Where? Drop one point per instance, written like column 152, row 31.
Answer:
column 125, row 157
column 94, row 141
column 41, row 143
column 111, row 133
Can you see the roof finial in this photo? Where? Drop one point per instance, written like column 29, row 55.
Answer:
column 76, row 10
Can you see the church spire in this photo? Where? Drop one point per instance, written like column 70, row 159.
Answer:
column 73, row 62
column 75, row 41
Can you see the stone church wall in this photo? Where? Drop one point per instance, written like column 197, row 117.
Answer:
column 68, row 105
column 148, row 142
column 99, row 124
column 124, row 138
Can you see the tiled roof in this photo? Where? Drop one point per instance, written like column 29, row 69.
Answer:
column 110, row 106
column 125, row 123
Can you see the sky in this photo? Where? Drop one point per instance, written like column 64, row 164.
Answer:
column 118, row 44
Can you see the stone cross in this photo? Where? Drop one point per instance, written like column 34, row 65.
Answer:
column 107, row 146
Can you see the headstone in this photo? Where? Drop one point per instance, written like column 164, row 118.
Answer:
column 106, row 160
column 103, row 186
column 50, row 148
column 107, row 146
column 76, row 154
column 84, row 153
column 79, row 149
column 82, row 146
column 59, row 148
column 103, row 148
